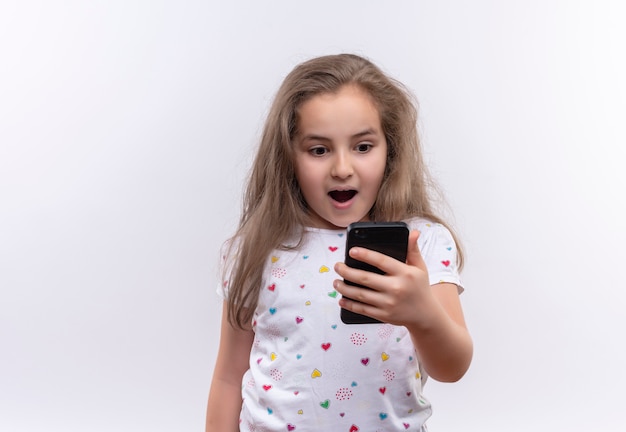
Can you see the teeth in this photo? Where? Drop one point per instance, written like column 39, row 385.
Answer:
column 342, row 196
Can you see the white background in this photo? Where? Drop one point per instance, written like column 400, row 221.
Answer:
column 127, row 128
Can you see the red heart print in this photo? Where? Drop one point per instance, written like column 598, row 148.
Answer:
column 354, row 428
column 332, row 248
column 446, row 263
column 290, row 427
column 382, row 390
column 299, row 320
column 326, row 346
column 266, row 387
column 406, row 425
column 272, row 287
column 365, row 361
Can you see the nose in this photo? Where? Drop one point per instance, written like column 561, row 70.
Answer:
column 342, row 165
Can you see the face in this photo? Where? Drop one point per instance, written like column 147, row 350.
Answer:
column 341, row 153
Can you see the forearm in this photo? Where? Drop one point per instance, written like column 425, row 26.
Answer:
column 224, row 406
column 225, row 400
column 443, row 344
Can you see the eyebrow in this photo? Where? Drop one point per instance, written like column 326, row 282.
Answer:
column 366, row 132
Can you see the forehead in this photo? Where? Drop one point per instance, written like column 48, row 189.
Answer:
column 342, row 111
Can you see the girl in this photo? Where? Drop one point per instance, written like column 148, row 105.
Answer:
column 340, row 145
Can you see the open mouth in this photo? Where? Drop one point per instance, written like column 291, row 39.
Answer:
column 343, row 195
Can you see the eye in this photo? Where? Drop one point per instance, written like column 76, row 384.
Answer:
column 318, row 151
column 363, row 147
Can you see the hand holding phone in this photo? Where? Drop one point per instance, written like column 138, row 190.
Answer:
column 389, row 238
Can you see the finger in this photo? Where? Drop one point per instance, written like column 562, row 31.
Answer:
column 414, row 256
column 360, row 308
column 379, row 260
column 357, row 293
column 358, row 276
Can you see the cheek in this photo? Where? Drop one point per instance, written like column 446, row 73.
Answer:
column 380, row 171
column 305, row 180
column 300, row 173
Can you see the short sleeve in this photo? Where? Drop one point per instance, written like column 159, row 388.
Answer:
column 225, row 269
column 439, row 252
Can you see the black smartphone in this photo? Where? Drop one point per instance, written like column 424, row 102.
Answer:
column 389, row 238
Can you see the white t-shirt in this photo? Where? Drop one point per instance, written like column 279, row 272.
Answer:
column 311, row 372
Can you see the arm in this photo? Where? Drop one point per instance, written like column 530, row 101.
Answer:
column 443, row 342
column 232, row 362
column 404, row 296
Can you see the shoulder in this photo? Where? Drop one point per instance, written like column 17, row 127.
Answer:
column 228, row 252
column 227, row 263
column 432, row 234
column 438, row 249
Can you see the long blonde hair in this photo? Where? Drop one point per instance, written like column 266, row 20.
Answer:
column 274, row 210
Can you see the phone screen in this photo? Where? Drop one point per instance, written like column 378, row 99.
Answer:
column 389, row 238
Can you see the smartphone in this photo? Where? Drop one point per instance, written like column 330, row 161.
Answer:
column 389, row 238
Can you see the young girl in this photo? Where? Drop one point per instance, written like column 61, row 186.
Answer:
column 340, row 145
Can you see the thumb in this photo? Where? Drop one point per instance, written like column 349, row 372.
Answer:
column 414, row 256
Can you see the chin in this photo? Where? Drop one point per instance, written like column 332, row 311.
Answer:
column 344, row 222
